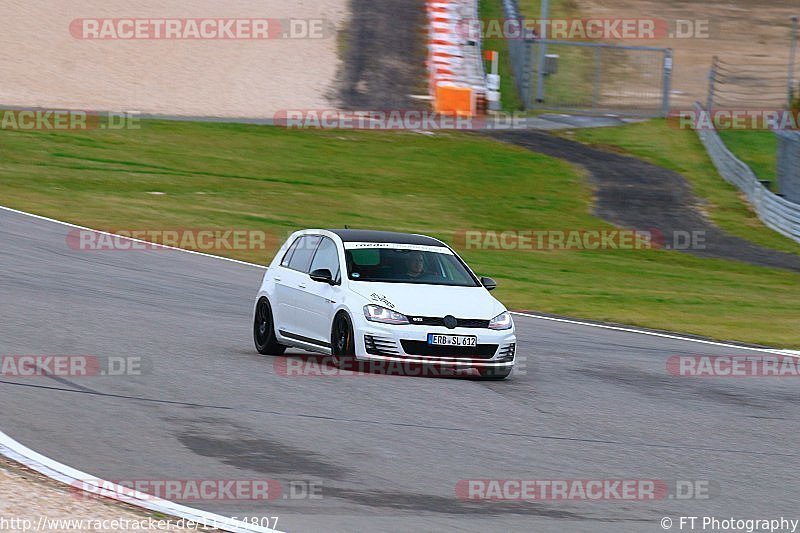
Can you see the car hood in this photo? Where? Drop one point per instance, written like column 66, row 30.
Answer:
column 430, row 300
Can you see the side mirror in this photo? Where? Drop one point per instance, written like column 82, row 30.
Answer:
column 322, row 275
column 489, row 283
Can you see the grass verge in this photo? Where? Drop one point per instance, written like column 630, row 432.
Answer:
column 681, row 150
column 212, row 175
column 759, row 149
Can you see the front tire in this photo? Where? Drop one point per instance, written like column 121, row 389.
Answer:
column 343, row 342
column 264, row 330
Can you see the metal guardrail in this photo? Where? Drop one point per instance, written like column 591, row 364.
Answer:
column 789, row 164
column 777, row 213
column 519, row 54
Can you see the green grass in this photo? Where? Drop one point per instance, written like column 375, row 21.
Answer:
column 757, row 148
column 681, row 150
column 262, row 178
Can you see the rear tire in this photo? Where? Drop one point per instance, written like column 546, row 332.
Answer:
column 343, row 342
column 264, row 330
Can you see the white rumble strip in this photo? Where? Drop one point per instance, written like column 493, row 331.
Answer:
column 75, row 478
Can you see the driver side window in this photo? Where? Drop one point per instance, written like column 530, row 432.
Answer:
column 306, row 246
column 327, row 256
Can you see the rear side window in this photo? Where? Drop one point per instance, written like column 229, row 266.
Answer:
column 288, row 255
column 301, row 258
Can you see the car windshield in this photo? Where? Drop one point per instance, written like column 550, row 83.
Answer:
column 401, row 263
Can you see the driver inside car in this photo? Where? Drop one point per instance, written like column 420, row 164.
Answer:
column 415, row 265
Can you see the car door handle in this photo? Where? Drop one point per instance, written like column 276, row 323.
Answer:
column 276, row 278
column 302, row 285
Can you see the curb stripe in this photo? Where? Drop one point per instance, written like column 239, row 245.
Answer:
column 75, row 478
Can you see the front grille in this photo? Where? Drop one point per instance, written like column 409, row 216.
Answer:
column 380, row 346
column 461, row 322
column 481, row 351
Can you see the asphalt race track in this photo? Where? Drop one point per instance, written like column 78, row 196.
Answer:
column 589, row 404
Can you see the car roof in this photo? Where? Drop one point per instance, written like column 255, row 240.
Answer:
column 363, row 235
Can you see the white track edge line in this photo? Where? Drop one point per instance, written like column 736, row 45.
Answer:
column 20, row 453
column 40, row 217
column 791, row 353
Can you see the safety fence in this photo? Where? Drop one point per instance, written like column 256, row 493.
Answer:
column 599, row 77
column 457, row 81
column 760, row 84
column 776, row 212
column 588, row 77
column 751, row 85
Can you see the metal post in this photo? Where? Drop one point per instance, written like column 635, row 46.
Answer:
column 544, row 20
column 527, row 75
column 792, row 55
column 596, row 80
column 712, row 76
column 667, row 83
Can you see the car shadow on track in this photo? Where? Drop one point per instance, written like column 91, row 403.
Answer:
column 317, row 365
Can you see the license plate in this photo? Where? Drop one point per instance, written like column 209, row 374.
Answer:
column 452, row 340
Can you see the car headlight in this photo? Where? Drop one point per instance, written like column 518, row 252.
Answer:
column 376, row 313
column 501, row 321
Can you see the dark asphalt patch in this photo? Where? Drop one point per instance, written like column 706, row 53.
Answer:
column 261, row 455
column 384, row 57
column 408, row 501
column 634, row 194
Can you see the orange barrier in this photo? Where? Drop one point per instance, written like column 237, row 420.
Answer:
column 453, row 85
column 454, row 100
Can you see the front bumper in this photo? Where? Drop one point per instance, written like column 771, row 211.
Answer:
column 408, row 344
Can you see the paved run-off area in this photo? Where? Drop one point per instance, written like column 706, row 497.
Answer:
column 29, row 500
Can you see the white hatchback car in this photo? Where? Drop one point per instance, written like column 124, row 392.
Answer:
column 360, row 295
